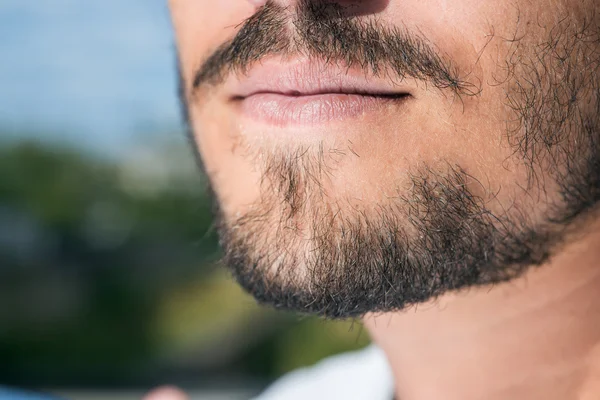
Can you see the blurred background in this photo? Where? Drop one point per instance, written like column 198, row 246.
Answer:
column 110, row 282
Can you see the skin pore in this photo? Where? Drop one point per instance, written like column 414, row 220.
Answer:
column 456, row 217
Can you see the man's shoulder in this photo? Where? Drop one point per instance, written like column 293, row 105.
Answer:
column 362, row 374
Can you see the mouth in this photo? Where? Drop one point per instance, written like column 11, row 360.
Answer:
column 307, row 93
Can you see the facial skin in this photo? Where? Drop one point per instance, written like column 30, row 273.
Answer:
column 483, row 168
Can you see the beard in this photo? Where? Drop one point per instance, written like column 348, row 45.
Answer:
column 298, row 249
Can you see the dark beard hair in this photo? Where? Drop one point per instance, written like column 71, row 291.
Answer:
column 439, row 236
column 363, row 261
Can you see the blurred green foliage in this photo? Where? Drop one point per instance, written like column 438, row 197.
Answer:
column 109, row 276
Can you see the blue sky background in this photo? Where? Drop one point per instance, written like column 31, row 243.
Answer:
column 94, row 73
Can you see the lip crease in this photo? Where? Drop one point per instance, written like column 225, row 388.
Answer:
column 306, row 93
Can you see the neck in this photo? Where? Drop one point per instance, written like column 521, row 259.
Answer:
column 537, row 337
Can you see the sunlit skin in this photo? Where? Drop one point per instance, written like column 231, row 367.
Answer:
column 402, row 141
column 534, row 337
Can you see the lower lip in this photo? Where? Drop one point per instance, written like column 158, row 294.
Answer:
column 280, row 109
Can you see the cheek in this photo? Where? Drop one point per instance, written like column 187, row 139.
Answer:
column 201, row 26
column 232, row 172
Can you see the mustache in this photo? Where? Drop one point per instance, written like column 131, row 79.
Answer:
column 327, row 32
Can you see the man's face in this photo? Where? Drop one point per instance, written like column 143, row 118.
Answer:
column 370, row 155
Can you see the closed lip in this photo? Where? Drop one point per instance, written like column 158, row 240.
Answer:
column 308, row 92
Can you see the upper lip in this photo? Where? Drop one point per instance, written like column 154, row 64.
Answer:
column 306, row 78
